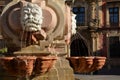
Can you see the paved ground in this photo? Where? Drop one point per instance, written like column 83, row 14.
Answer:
column 97, row 77
column 105, row 73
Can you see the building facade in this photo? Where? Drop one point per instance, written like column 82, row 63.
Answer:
column 98, row 22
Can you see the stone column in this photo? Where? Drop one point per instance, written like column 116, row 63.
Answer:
column 119, row 16
column 94, row 42
column 107, row 17
column 108, row 49
column 92, row 14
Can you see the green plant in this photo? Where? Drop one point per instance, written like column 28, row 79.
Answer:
column 3, row 50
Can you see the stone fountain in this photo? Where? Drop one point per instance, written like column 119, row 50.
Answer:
column 36, row 33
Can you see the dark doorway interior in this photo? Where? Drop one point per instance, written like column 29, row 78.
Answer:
column 114, row 47
column 79, row 46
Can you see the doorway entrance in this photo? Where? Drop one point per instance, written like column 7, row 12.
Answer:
column 114, row 46
column 79, row 46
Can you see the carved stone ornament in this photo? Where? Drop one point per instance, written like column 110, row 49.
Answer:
column 46, row 17
column 31, row 17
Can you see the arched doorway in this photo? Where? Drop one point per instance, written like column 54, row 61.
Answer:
column 79, row 46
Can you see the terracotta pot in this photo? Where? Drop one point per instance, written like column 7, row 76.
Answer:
column 23, row 65
column 99, row 62
column 44, row 64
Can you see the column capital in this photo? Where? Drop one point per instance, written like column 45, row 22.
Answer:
column 94, row 35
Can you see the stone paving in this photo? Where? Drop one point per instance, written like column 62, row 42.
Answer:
column 97, row 77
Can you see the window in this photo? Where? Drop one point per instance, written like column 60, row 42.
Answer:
column 80, row 15
column 114, row 16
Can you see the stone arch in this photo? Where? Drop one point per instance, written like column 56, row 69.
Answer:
column 79, row 46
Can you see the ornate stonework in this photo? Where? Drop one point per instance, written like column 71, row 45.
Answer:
column 31, row 17
column 37, row 22
column 74, row 24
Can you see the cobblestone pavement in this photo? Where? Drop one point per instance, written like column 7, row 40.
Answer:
column 97, row 77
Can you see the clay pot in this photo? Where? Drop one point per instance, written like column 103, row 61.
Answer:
column 23, row 65
column 44, row 64
column 99, row 62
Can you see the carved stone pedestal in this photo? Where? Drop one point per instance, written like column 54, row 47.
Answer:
column 60, row 71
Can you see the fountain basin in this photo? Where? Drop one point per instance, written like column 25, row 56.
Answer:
column 27, row 65
column 86, row 64
column 5, row 62
column 98, row 63
column 24, row 65
column 18, row 66
column 74, row 62
column 44, row 64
